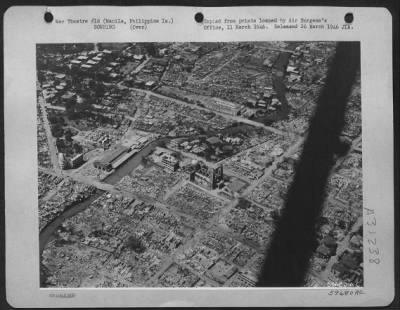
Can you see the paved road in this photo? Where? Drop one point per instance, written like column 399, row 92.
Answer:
column 181, row 102
column 218, row 68
column 268, row 171
column 232, row 117
column 50, row 139
column 141, row 66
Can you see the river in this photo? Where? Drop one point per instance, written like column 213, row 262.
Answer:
column 278, row 84
column 135, row 160
column 123, row 170
column 48, row 231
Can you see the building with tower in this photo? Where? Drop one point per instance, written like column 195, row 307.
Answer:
column 206, row 176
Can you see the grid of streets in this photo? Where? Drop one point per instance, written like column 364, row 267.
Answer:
column 167, row 164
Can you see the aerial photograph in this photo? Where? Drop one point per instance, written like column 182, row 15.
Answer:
column 168, row 164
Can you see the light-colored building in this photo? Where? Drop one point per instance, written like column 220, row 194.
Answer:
column 112, row 156
column 76, row 62
column 62, row 161
column 170, row 162
column 223, row 106
column 86, row 67
column 82, row 58
column 60, row 76
column 76, row 161
column 138, row 57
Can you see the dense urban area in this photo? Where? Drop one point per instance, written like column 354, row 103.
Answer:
column 168, row 164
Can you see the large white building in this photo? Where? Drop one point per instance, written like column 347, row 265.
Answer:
column 223, row 106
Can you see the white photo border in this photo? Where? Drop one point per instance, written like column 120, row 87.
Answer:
column 24, row 27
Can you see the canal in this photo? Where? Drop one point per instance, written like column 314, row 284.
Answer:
column 278, row 84
column 46, row 234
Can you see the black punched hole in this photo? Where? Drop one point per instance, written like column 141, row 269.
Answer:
column 199, row 17
column 48, row 17
column 348, row 18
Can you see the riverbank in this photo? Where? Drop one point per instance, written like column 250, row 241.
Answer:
column 278, row 84
column 46, row 234
column 48, row 231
